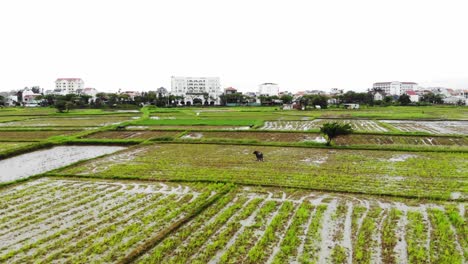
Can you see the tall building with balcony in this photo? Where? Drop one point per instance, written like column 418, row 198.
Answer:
column 68, row 85
column 395, row 88
column 268, row 89
column 197, row 90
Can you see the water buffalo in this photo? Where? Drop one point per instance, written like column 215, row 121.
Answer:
column 259, row 155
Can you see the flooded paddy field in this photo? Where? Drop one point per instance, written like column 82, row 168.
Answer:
column 162, row 127
column 44, row 160
column 432, row 127
column 84, row 221
column 133, row 134
column 72, row 121
column 358, row 125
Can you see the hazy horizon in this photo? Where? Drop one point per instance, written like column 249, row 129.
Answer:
column 301, row 45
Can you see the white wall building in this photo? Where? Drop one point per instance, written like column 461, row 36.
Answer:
column 395, row 88
column 268, row 89
column 414, row 97
column 65, row 86
column 200, row 89
column 29, row 97
column 88, row 91
column 336, row 91
column 378, row 96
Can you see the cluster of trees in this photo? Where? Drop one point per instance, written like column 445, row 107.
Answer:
column 351, row 97
column 368, row 99
column 239, row 98
column 106, row 100
column 234, row 98
column 432, row 98
column 65, row 102
column 313, row 100
column 103, row 100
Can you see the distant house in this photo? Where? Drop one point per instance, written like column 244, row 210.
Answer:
column 455, row 100
column 314, row 92
column 230, row 90
column 336, row 91
column 332, row 101
column 287, row 107
column 351, row 106
column 90, row 91
column 131, row 94
column 30, row 98
column 379, row 96
column 414, row 97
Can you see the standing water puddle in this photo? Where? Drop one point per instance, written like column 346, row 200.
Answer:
column 41, row 161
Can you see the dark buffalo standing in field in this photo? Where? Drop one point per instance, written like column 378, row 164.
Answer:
column 259, row 155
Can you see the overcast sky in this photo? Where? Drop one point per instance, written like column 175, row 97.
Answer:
column 139, row 45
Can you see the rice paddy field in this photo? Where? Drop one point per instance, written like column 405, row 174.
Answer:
column 144, row 134
column 358, row 125
column 69, row 121
column 181, row 185
column 424, row 175
column 119, row 221
column 433, row 127
column 32, row 135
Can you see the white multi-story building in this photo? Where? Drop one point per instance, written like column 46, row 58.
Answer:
column 68, row 85
column 204, row 90
column 268, row 89
column 395, row 88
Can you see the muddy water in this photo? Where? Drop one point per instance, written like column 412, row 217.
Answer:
column 48, row 159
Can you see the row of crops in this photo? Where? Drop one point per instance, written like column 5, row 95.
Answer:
column 83, row 222
column 80, row 221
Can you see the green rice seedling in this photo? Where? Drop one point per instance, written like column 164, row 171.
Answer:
column 443, row 239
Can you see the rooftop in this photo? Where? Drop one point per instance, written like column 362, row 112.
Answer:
column 69, row 79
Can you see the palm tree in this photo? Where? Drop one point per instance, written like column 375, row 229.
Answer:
column 332, row 130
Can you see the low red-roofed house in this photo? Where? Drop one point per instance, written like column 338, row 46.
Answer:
column 230, row 90
column 414, row 97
